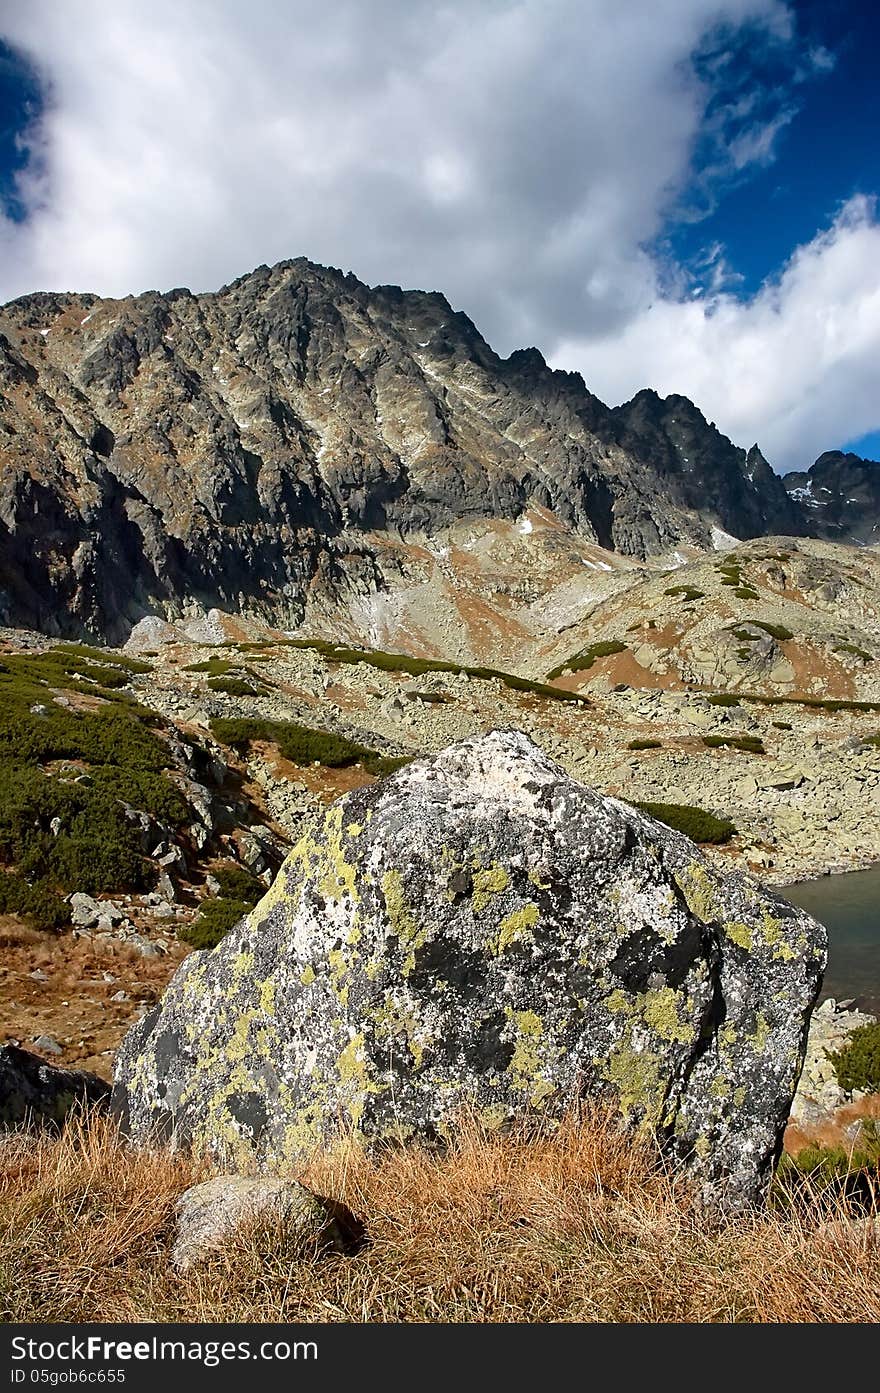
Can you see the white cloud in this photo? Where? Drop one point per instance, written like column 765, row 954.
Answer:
column 796, row 367
column 519, row 155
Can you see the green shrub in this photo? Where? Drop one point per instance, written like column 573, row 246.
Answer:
column 696, row 823
column 752, row 744
column 215, row 919
column 781, row 725
column 854, row 651
column 645, row 745
column 233, row 686
column 142, row 789
column 833, row 1163
column 37, row 903
column 857, row 1065
column 688, row 592
column 64, row 829
column 814, row 703
column 745, row 592
column 101, row 655
column 777, row 631
column 108, row 736
column 236, row 883
column 415, row 667
column 581, row 662
column 724, row 699
column 217, row 667
column 303, row 745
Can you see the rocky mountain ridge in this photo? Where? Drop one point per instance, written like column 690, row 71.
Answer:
column 841, row 493
column 257, row 448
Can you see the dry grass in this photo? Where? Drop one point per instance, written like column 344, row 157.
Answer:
column 583, row 1225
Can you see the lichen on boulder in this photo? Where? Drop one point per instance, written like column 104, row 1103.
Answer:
column 480, row 931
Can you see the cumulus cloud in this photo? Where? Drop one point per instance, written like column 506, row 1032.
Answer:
column 795, row 367
column 523, row 156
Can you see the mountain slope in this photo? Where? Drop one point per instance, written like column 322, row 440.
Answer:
column 236, row 449
column 841, row 495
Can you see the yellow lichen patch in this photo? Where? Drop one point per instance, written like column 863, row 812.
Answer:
column 739, row 1097
column 636, row 1075
column 352, row 1070
column 401, row 919
column 339, row 970
column 702, row 1147
column 535, row 878
column 542, row 1090
column 493, row 1116
column 279, row 891
column 773, row 937
column 267, row 996
column 699, row 891
column 393, row 1020
column 338, row 876
column 307, row 976
column 487, row 882
column 515, row 927
column 761, row 1035
column 300, row 1138
column 526, row 1061
column 740, row 934
column 661, row 1013
column 242, row 968
column 399, row 916
column 659, row 1009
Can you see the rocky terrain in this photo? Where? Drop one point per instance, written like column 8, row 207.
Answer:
column 330, row 531
column 841, row 494
column 792, row 777
column 297, row 441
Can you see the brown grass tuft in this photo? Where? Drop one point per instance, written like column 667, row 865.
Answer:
column 582, row 1225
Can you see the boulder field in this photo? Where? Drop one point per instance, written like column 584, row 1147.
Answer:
column 479, row 932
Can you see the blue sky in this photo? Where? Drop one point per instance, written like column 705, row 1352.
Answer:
column 675, row 193
column 827, row 152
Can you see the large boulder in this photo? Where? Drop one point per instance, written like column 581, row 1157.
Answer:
column 34, row 1093
column 480, row 931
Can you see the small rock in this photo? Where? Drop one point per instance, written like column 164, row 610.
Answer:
column 119, row 996
column 38, row 976
column 86, row 913
column 167, row 890
column 210, row 1212
column 142, row 945
column 48, row 1044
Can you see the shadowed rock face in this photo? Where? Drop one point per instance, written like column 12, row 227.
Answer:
column 34, row 1093
column 235, row 449
column 840, row 494
column 481, row 931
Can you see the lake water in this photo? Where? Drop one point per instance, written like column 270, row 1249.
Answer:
column 849, row 907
